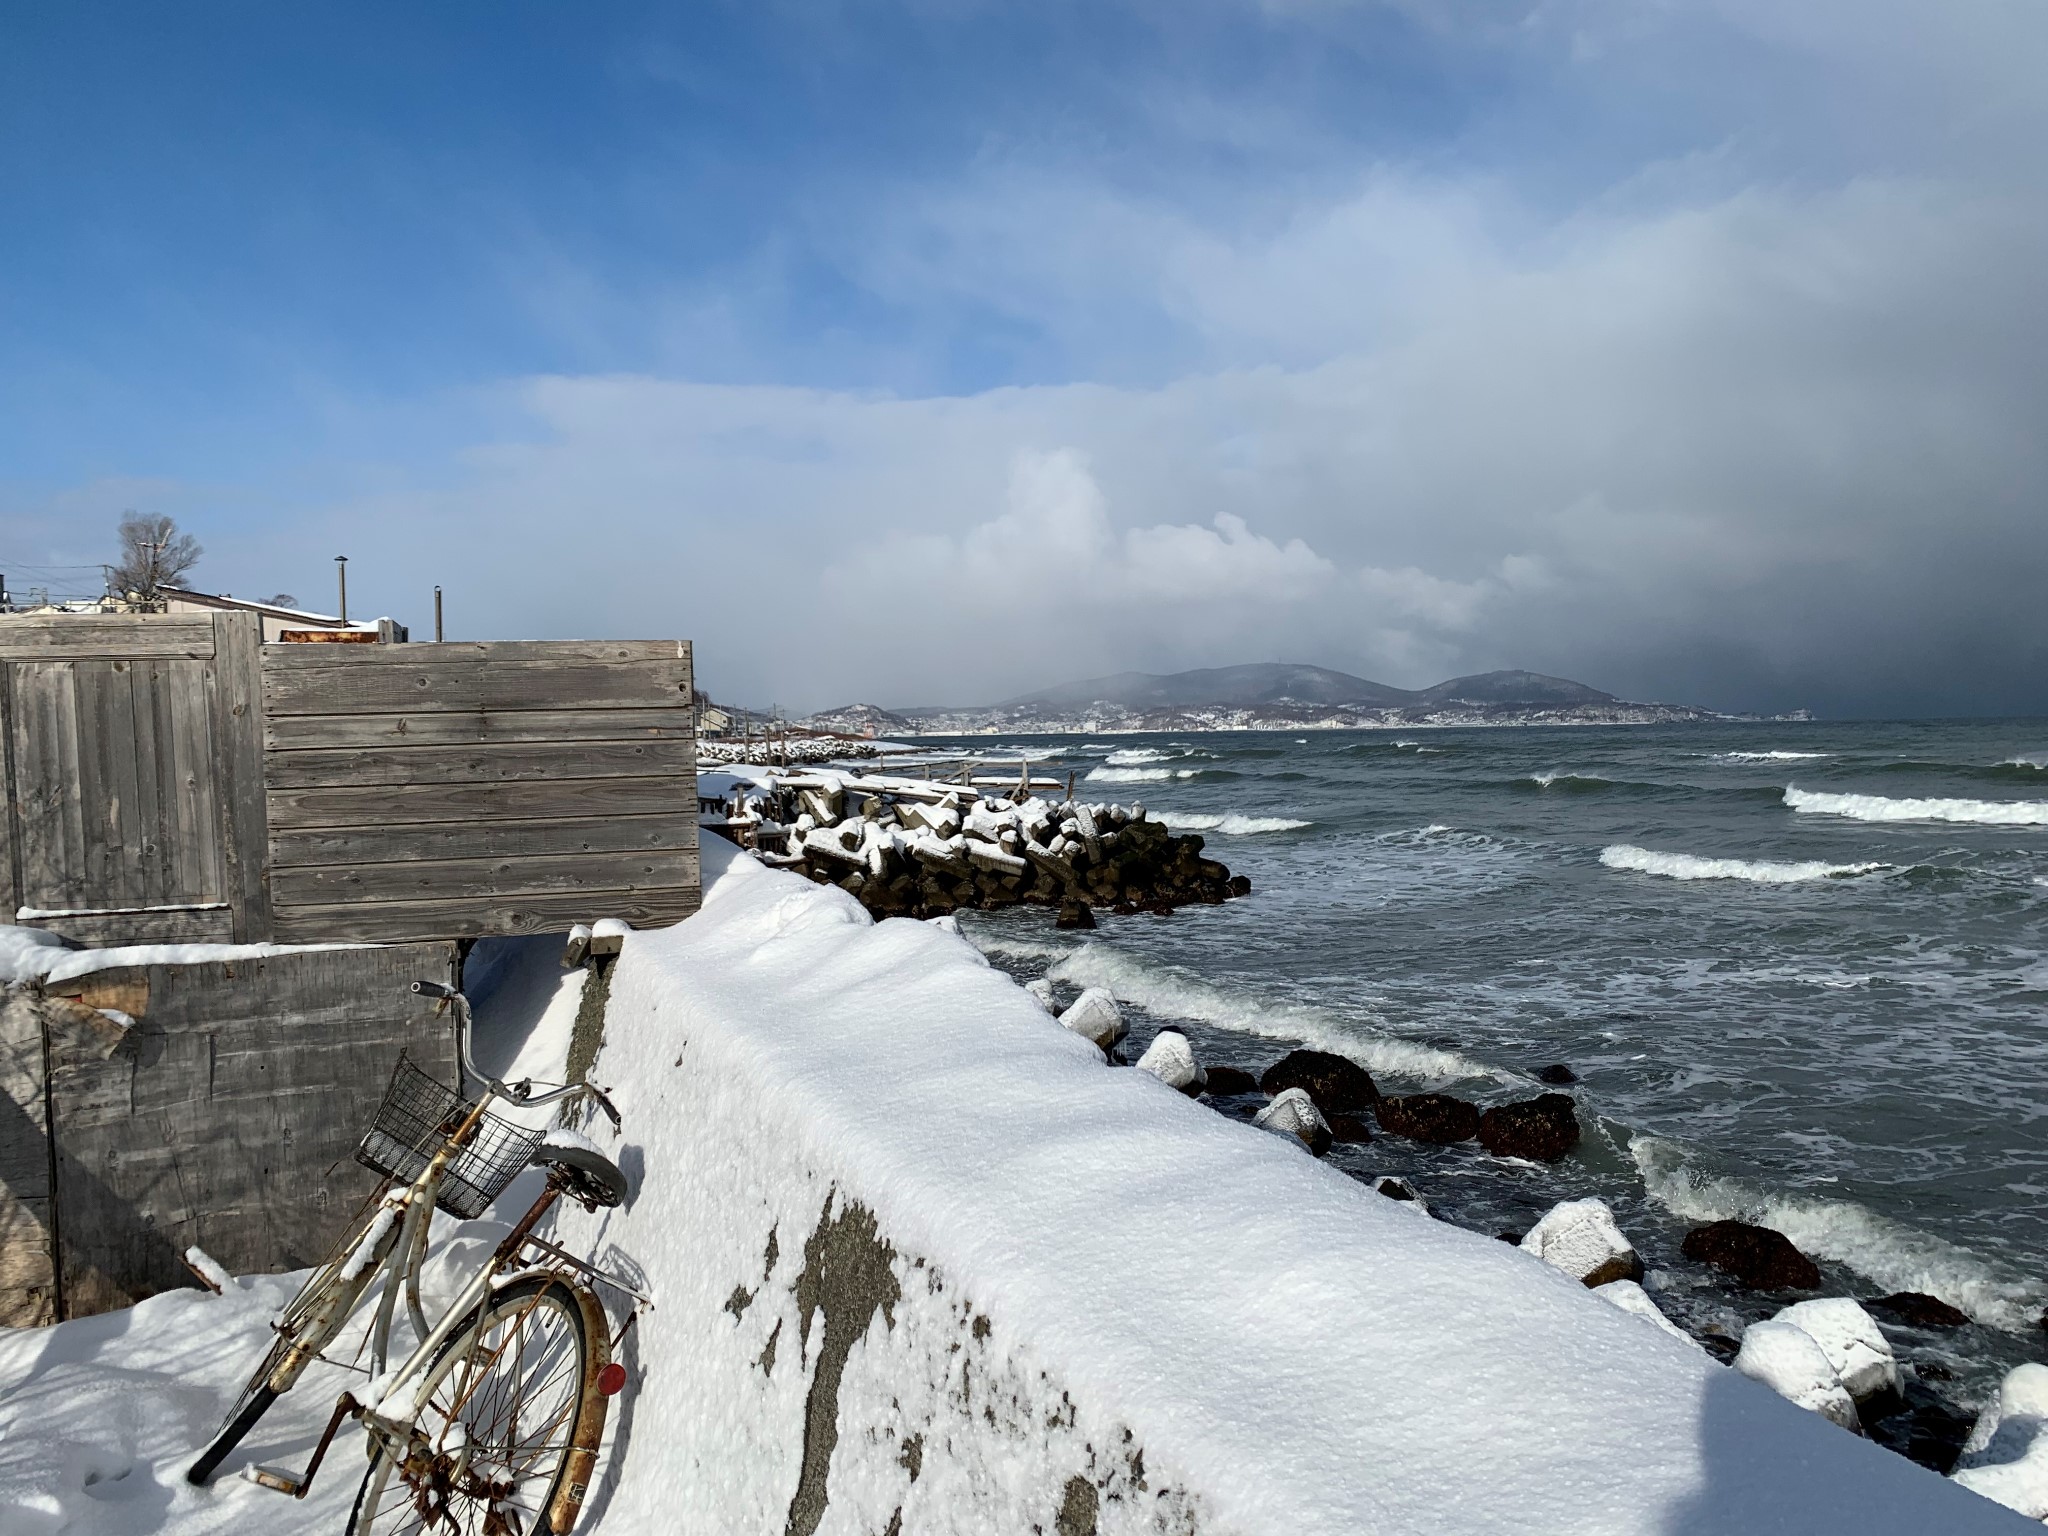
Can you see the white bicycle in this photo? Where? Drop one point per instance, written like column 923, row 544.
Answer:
column 492, row 1424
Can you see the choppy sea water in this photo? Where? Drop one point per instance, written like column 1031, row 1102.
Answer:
column 1801, row 970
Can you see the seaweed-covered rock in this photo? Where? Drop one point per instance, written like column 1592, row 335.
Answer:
column 1558, row 1074
column 1918, row 1310
column 1761, row 1259
column 1225, row 1082
column 1350, row 1129
column 1336, row 1083
column 1431, row 1117
column 1542, row 1129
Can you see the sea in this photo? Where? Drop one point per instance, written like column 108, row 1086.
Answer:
column 1800, row 971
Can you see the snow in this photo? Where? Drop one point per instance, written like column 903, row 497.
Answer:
column 1580, row 1238
column 1095, row 1016
column 1293, row 1113
column 2006, row 1456
column 1788, row 1360
column 208, row 1268
column 1854, row 1344
column 35, row 954
column 1633, row 1299
column 856, row 1146
column 1172, row 1060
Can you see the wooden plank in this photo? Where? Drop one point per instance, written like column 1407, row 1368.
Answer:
column 83, row 636
column 150, row 818
column 27, row 1275
column 478, row 764
column 459, row 728
column 433, row 653
column 10, row 806
column 362, row 922
column 482, row 840
column 492, row 878
column 107, row 791
column 189, row 781
column 54, row 848
column 387, row 686
column 381, row 805
column 239, row 770
column 202, row 925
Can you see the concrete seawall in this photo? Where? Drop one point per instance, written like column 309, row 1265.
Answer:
column 922, row 1262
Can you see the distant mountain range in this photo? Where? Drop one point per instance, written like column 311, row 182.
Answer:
column 1265, row 696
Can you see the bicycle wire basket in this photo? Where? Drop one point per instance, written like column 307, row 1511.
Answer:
column 414, row 1122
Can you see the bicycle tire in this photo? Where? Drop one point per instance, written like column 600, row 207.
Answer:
column 447, row 1491
column 254, row 1406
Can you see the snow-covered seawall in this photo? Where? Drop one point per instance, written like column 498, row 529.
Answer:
column 923, row 1263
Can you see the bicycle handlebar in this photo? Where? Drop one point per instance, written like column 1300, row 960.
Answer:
column 432, row 989
column 521, row 1093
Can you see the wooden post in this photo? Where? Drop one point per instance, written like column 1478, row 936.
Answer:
column 438, row 635
column 238, row 772
column 341, row 569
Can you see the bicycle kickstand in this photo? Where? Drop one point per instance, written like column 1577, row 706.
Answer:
column 283, row 1480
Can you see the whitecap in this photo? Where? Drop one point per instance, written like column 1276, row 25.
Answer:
column 1686, row 866
column 2021, row 760
column 1886, row 1252
column 1560, row 776
column 1130, row 757
column 1229, row 823
column 2000, row 813
column 1129, row 775
column 1766, row 757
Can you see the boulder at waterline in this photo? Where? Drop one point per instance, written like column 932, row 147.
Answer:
column 2006, row 1456
column 1788, row 1361
column 1095, row 1016
column 1227, row 1082
column 1855, row 1347
column 1074, row 914
column 1336, row 1083
column 1632, row 1298
column 1582, row 1238
column 1400, row 1189
column 1350, row 1129
column 1040, row 988
column 1433, row 1117
column 1172, row 1060
column 1542, row 1129
column 1761, row 1259
column 1917, row 1310
column 1557, row 1074
column 1294, row 1113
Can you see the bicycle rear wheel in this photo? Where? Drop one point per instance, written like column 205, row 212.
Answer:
column 510, row 1430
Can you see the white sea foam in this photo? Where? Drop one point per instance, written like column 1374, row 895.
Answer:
column 1998, row 813
column 1128, row 775
column 2038, row 762
column 1685, row 866
column 1130, row 757
column 1229, row 823
column 1766, row 757
column 1171, row 992
column 1886, row 1252
column 1560, row 776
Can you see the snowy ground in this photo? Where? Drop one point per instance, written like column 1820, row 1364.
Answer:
column 895, row 1292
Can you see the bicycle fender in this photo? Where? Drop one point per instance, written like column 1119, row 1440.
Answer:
column 567, row 1507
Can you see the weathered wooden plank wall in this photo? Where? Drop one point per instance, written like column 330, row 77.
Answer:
column 226, row 1117
column 467, row 789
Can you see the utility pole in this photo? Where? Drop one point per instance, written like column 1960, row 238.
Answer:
column 437, row 613
column 341, row 570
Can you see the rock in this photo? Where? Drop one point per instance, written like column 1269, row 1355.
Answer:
column 1541, row 1129
column 1095, row 1016
column 1761, row 1259
column 1431, row 1117
column 1917, row 1310
column 1226, row 1082
column 1172, row 1060
column 1294, row 1113
column 1859, row 1352
column 2006, row 1455
column 1041, row 988
column 1788, row 1361
column 1074, row 914
column 1403, row 1191
column 1350, row 1129
column 1632, row 1298
column 1559, row 1074
column 1581, row 1238
column 1336, row 1083
column 1240, row 885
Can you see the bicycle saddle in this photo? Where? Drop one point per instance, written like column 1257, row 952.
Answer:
column 586, row 1175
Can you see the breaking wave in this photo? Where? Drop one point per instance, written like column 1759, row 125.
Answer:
column 1998, row 813
column 1229, row 823
column 1557, row 778
column 1129, row 757
column 1685, row 866
column 1766, row 757
column 1888, row 1253
column 2021, row 760
column 1138, row 775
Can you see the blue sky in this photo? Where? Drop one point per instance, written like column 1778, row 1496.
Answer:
column 1680, row 346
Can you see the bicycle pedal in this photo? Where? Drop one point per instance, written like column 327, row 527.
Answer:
column 278, row 1479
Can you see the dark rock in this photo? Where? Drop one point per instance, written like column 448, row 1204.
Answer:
column 1336, row 1083
column 1916, row 1310
column 1431, row 1117
column 1160, row 909
column 1225, row 1082
column 1720, row 1346
column 1395, row 1189
column 1928, row 1429
column 1559, row 1074
column 1927, row 1370
column 1761, row 1259
column 1510, row 1237
column 1240, row 885
column 1350, row 1128
column 1125, row 909
column 1074, row 914
column 1541, row 1129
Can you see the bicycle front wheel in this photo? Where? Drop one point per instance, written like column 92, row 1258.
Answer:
column 511, row 1424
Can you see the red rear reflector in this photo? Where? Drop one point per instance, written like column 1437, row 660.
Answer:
column 611, row 1381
